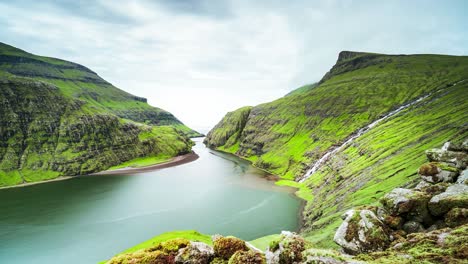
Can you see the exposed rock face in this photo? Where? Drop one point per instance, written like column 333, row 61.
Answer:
column 362, row 232
column 228, row 131
column 432, row 205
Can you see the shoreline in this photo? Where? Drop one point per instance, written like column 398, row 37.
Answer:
column 178, row 160
column 59, row 178
column 175, row 161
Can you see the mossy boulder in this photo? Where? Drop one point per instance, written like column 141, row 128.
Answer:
column 362, row 232
column 434, row 172
column 456, row 195
column 288, row 249
column 225, row 247
column 455, row 158
column 195, row 253
column 247, row 257
column 456, row 217
column 410, row 204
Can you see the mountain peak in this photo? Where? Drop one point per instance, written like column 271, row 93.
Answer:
column 348, row 55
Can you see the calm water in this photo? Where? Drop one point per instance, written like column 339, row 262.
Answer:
column 88, row 219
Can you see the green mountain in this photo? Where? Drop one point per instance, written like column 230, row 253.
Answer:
column 60, row 118
column 363, row 126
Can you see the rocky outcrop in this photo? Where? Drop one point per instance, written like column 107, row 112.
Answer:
column 288, row 249
column 362, row 231
column 435, row 203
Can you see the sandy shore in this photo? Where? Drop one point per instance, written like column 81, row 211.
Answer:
column 60, row 178
column 179, row 160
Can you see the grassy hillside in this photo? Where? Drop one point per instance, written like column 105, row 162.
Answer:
column 288, row 135
column 60, row 118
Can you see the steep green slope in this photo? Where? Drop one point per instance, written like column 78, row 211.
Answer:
column 287, row 136
column 78, row 82
column 59, row 118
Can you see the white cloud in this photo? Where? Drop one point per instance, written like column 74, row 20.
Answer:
column 200, row 66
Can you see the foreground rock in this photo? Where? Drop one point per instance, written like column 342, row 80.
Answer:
column 288, row 249
column 455, row 196
column 362, row 232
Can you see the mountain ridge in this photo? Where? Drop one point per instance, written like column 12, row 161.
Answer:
column 288, row 135
column 59, row 118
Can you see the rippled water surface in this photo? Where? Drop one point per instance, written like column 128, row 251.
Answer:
column 88, row 219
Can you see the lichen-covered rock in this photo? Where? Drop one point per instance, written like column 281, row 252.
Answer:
column 411, row 204
column 456, row 195
column 247, row 257
column 195, row 253
column 225, row 247
column 456, row 158
column 288, row 249
column 413, row 227
column 362, row 232
column 433, row 189
column 456, row 217
column 438, row 172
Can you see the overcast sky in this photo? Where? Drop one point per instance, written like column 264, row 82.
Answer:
column 201, row 59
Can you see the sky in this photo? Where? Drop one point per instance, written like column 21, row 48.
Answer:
column 201, row 59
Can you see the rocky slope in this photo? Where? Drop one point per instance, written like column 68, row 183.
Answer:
column 289, row 135
column 60, row 118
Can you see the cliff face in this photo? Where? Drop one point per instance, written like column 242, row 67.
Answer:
column 289, row 135
column 60, row 118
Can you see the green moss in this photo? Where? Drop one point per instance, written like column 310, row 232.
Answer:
column 188, row 235
column 247, row 257
column 225, row 247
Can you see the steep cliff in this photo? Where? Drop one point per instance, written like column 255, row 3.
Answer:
column 60, row 118
column 420, row 101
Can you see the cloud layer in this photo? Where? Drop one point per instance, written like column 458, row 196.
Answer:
column 200, row 59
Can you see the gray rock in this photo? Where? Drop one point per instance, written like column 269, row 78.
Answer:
column 411, row 204
column 195, row 253
column 362, row 232
column 413, row 227
column 463, row 178
column 457, row 159
column 456, row 195
column 422, row 185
